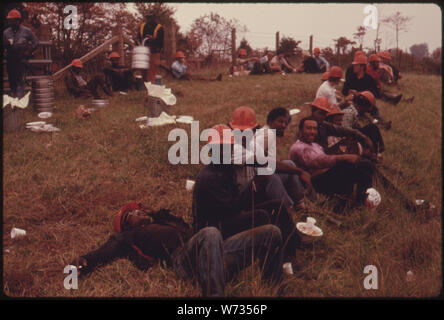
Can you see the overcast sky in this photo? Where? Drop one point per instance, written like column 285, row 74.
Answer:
column 324, row 21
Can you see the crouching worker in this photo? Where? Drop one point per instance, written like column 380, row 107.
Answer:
column 179, row 69
column 118, row 77
column 78, row 84
column 146, row 237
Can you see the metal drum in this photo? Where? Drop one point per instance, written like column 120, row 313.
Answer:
column 43, row 95
column 141, row 57
column 11, row 119
column 101, row 103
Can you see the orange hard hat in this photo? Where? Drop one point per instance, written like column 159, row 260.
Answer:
column 359, row 52
column 384, row 54
column 114, row 55
column 334, row 110
column 180, row 54
column 14, row 14
column 225, row 136
column 321, row 103
column 242, row 52
column 243, row 118
column 373, row 57
column 369, row 96
column 325, row 76
column 118, row 218
column 316, row 50
column 336, row 72
column 360, row 59
column 77, row 63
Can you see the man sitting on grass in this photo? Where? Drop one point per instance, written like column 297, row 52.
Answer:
column 78, row 84
column 331, row 174
column 118, row 77
column 280, row 64
column 180, row 71
column 243, row 65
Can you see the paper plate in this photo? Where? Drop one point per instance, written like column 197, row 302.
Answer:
column 294, row 111
column 124, row 93
column 45, row 115
column 317, row 232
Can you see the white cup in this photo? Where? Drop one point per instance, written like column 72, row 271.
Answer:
column 16, row 233
column 288, row 268
column 189, row 185
column 309, row 224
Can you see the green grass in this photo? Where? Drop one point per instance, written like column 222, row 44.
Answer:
column 64, row 189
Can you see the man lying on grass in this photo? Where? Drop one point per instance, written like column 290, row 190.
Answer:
column 331, row 174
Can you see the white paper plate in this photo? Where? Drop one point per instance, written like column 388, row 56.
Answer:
column 124, row 93
column 317, row 232
column 294, row 111
column 45, row 115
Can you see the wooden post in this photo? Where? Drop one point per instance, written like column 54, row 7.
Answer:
column 233, row 47
column 277, row 41
column 311, row 45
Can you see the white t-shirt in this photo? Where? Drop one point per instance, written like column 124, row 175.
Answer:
column 328, row 91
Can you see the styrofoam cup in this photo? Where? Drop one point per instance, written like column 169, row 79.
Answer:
column 288, row 268
column 310, row 224
column 16, row 233
column 189, row 185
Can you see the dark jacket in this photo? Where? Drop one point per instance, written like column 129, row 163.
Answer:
column 216, row 196
column 17, row 42
column 149, row 28
column 326, row 129
column 144, row 245
column 363, row 84
column 310, row 65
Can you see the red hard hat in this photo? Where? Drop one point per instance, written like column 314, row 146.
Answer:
column 369, row 96
column 336, row 72
column 373, row 57
column 77, row 63
column 334, row 110
column 384, row 54
column 225, row 136
column 243, row 118
column 360, row 59
column 118, row 218
column 179, row 54
column 242, row 52
column 316, row 50
column 14, row 14
column 114, row 55
column 321, row 103
column 325, row 75
column 359, row 52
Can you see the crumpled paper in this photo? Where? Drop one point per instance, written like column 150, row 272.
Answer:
column 16, row 102
column 161, row 92
column 163, row 119
column 82, row 112
column 42, row 127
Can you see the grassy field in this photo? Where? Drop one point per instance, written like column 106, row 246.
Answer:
column 64, row 188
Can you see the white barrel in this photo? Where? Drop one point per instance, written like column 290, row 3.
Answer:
column 140, row 57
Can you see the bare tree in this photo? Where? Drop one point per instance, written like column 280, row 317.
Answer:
column 399, row 23
column 359, row 35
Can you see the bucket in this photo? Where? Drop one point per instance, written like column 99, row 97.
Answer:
column 155, row 107
column 141, row 57
column 11, row 119
column 43, row 95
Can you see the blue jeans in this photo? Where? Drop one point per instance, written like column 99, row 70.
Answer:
column 212, row 261
column 286, row 187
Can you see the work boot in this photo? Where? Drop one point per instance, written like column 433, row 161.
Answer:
column 397, row 99
column 108, row 90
